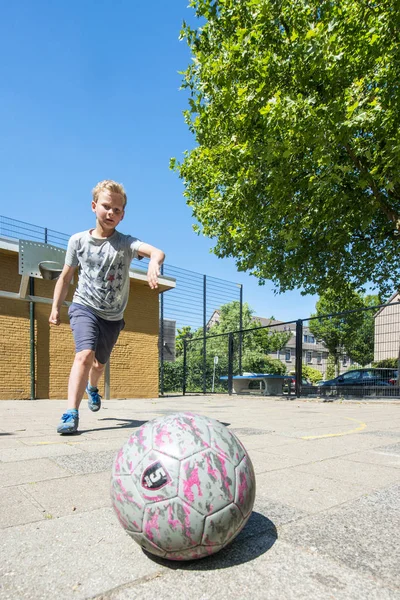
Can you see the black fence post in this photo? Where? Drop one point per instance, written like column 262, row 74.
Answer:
column 184, row 367
column 162, row 339
column 204, row 334
column 32, row 338
column 299, row 357
column 240, row 327
column 230, row 363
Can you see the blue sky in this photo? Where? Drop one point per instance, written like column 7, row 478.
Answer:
column 90, row 91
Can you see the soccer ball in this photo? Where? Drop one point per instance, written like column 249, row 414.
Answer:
column 183, row 486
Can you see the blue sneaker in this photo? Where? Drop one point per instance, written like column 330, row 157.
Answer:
column 69, row 423
column 94, row 402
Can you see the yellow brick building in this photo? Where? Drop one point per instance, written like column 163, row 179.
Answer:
column 37, row 357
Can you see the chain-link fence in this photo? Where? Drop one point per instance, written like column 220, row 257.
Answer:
column 189, row 309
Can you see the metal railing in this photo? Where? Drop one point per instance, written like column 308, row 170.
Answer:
column 360, row 362
column 191, row 305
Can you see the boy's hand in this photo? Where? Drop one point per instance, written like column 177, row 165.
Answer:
column 54, row 318
column 153, row 272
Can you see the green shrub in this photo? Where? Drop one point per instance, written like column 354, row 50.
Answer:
column 386, row 363
column 311, row 374
column 330, row 369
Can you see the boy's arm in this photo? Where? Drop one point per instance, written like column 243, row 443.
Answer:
column 60, row 293
column 156, row 260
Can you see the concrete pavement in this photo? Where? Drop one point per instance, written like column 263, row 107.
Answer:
column 326, row 521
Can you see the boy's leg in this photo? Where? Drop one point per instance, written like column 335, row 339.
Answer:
column 108, row 336
column 85, row 329
column 78, row 377
column 94, row 398
column 96, row 372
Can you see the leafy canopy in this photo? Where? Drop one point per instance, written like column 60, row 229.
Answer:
column 294, row 105
column 351, row 333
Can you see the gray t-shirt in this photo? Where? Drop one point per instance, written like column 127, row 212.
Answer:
column 103, row 283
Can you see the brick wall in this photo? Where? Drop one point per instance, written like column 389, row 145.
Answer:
column 134, row 362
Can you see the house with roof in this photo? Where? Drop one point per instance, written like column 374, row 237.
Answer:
column 314, row 352
column 387, row 330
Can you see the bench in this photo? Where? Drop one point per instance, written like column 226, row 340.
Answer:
column 273, row 384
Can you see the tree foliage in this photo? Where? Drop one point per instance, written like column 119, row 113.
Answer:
column 294, row 105
column 351, row 333
column 311, row 374
column 360, row 347
column 255, row 344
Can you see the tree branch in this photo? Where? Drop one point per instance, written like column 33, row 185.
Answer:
column 391, row 214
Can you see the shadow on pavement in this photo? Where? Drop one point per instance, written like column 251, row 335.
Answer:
column 257, row 537
column 123, row 424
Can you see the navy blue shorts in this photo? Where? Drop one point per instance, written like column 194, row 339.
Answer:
column 91, row 332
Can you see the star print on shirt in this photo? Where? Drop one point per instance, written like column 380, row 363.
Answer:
column 111, row 278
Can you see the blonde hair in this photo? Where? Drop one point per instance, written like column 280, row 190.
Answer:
column 110, row 186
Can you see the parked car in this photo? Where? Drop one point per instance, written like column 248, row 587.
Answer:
column 292, row 382
column 363, row 377
column 393, row 380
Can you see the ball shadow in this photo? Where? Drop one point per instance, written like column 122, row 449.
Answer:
column 256, row 538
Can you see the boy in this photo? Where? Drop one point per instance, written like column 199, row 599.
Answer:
column 96, row 314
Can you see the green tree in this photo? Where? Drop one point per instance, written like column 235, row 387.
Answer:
column 183, row 333
column 360, row 347
column 311, row 374
column 352, row 333
column 294, row 108
column 256, row 345
column 330, row 368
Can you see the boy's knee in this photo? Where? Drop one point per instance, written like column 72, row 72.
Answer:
column 98, row 366
column 85, row 357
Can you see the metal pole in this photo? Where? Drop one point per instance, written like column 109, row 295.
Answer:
column 45, row 235
column 107, row 381
column 184, row 367
column 162, row 339
column 299, row 357
column 230, row 363
column 32, row 337
column 240, row 327
column 204, row 334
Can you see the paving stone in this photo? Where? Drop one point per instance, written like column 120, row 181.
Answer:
column 363, row 534
column 42, row 451
column 87, row 462
column 369, row 476
column 280, row 572
column 75, row 493
column 29, row 471
column 315, row 493
column 16, row 508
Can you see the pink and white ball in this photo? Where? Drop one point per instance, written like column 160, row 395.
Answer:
column 183, row 486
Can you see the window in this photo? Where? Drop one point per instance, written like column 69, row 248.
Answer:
column 319, row 358
column 351, row 375
column 308, row 339
column 287, row 354
column 309, row 357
